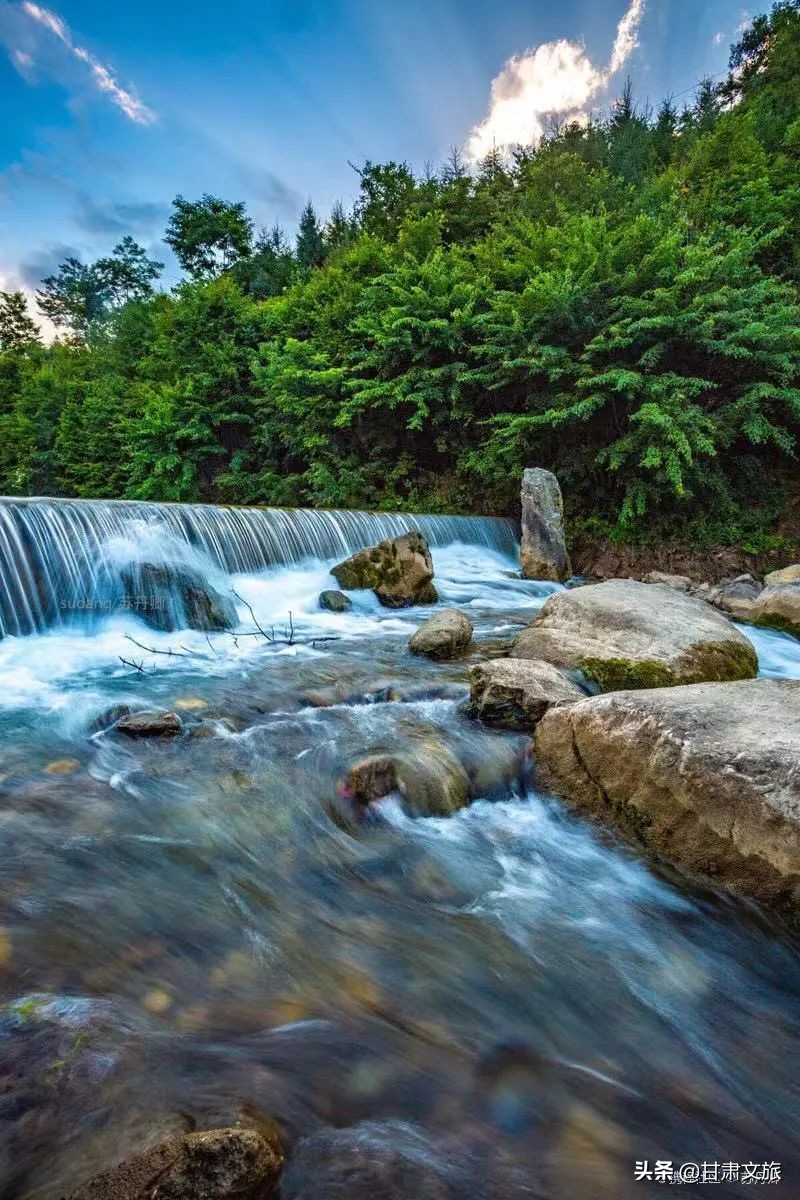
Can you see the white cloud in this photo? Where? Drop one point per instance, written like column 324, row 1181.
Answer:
column 556, row 77
column 718, row 39
column 49, row 20
column 23, row 62
column 50, row 23
column 627, row 38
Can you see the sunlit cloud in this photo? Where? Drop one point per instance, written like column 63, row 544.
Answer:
column 627, row 38
column 15, row 30
column 555, row 78
column 48, row 20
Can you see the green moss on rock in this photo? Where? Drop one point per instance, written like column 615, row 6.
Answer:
column 709, row 662
column 780, row 623
column 718, row 662
column 626, row 675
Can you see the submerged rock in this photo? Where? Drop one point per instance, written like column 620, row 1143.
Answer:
column 707, row 776
column 222, row 1164
column 444, row 635
column 624, row 635
column 377, row 1160
column 543, row 553
column 515, row 693
column 158, row 723
column 398, row 570
column 335, row 601
column 176, row 597
column 429, row 779
column 371, row 778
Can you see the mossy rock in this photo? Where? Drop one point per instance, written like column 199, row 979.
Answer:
column 779, row 623
column 398, row 570
column 625, row 636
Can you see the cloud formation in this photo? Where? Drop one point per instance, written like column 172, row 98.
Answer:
column 627, row 38
column 555, row 78
column 28, row 30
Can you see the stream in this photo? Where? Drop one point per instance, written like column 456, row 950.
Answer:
column 195, row 932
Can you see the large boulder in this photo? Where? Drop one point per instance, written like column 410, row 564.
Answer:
column 706, row 776
column 778, row 607
column 515, row 693
column 176, row 597
column 398, row 570
column 624, row 634
column 543, row 553
column 222, row 1164
column 444, row 635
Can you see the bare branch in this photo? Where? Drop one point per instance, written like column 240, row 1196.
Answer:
column 249, row 608
column 167, row 653
column 134, row 665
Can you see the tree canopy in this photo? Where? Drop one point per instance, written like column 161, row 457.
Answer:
column 620, row 303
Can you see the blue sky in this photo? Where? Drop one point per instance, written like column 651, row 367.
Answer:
column 111, row 109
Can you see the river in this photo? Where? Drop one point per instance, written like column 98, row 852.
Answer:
column 195, row 931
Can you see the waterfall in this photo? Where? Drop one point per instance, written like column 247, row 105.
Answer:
column 61, row 560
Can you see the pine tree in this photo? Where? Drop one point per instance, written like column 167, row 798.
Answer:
column 310, row 241
column 18, row 331
column 665, row 131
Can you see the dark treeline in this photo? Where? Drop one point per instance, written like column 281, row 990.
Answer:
column 620, row 304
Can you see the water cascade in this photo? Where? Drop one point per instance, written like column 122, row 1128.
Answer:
column 63, row 560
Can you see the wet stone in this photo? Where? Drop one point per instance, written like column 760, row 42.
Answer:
column 371, row 778
column 150, row 724
column 222, row 1164
column 335, row 601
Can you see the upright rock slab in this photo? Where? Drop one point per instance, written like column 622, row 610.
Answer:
column 543, row 553
column 623, row 634
column 706, row 776
column 398, row 570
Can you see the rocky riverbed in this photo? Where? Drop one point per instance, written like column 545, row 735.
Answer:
column 268, row 923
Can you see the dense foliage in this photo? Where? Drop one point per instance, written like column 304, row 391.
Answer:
column 620, row 303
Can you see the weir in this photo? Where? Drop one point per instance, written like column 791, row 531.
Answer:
column 62, row 560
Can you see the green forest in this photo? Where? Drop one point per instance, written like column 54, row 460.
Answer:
column 620, row 304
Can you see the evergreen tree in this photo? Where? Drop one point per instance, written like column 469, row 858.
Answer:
column 665, row 132
column 310, row 241
column 18, row 331
column 339, row 231
column 269, row 270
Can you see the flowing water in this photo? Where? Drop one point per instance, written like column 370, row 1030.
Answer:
column 197, row 931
